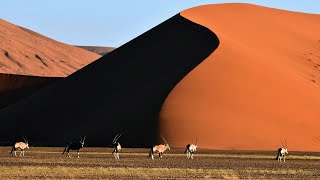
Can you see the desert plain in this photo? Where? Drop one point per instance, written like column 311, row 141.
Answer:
column 134, row 163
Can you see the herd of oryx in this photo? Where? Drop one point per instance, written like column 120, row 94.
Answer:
column 190, row 148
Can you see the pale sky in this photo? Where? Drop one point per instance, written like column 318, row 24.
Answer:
column 112, row 23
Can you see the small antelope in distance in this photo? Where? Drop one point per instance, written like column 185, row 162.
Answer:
column 190, row 149
column 21, row 146
column 159, row 148
column 77, row 145
column 116, row 146
column 282, row 151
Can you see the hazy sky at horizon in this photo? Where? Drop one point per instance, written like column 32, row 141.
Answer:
column 112, row 23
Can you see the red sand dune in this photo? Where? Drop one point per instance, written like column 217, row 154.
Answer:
column 25, row 52
column 260, row 85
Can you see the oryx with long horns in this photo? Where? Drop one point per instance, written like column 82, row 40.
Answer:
column 116, row 146
column 159, row 148
column 20, row 146
column 190, row 149
column 77, row 145
column 282, row 152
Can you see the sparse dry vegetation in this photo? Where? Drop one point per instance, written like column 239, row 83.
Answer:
column 98, row 163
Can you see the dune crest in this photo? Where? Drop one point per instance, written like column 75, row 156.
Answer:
column 260, row 85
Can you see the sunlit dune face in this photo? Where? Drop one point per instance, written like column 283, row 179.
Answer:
column 262, row 83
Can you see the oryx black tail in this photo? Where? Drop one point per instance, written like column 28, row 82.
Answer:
column 278, row 154
column 65, row 149
column 151, row 152
column 12, row 149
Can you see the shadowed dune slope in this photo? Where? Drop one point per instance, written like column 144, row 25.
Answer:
column 25, row 52
column 15, row 87
column 121, row 94
column 260, row 85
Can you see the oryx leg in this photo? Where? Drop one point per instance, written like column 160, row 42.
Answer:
column 21, row 153
column 284, row 158
column 78, row 153
column 15, row 153
column 117, row 155
column 191, row 155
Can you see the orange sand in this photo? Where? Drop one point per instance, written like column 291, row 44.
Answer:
column 260, row 85
column 25, row 52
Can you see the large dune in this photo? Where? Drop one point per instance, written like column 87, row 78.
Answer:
column 121, row 92
column 25, row 52
column 260, row 85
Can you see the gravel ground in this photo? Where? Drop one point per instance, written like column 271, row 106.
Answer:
column 98, row 163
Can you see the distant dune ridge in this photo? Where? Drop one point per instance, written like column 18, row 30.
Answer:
column 98, row 49
column 121, row 92
column 260, row 85
column 25, row 52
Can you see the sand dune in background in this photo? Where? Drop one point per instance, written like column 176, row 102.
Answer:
column 25, row 52
column 98, row 49
column 260, row 85
column 121, row 92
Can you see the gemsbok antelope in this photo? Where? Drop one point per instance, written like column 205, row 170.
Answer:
column 116, row 146
column 282, row 152
column 20, row 146
column 77, row 145
column 190, row 149
column 159, row 148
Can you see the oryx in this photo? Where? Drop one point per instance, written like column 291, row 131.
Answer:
column 77, row 145
column 20, row 146
column 190, row 149
column 159, row 148
column 116, row 146
column 282, row 151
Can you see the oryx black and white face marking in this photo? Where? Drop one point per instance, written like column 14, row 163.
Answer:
column 74, row 146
